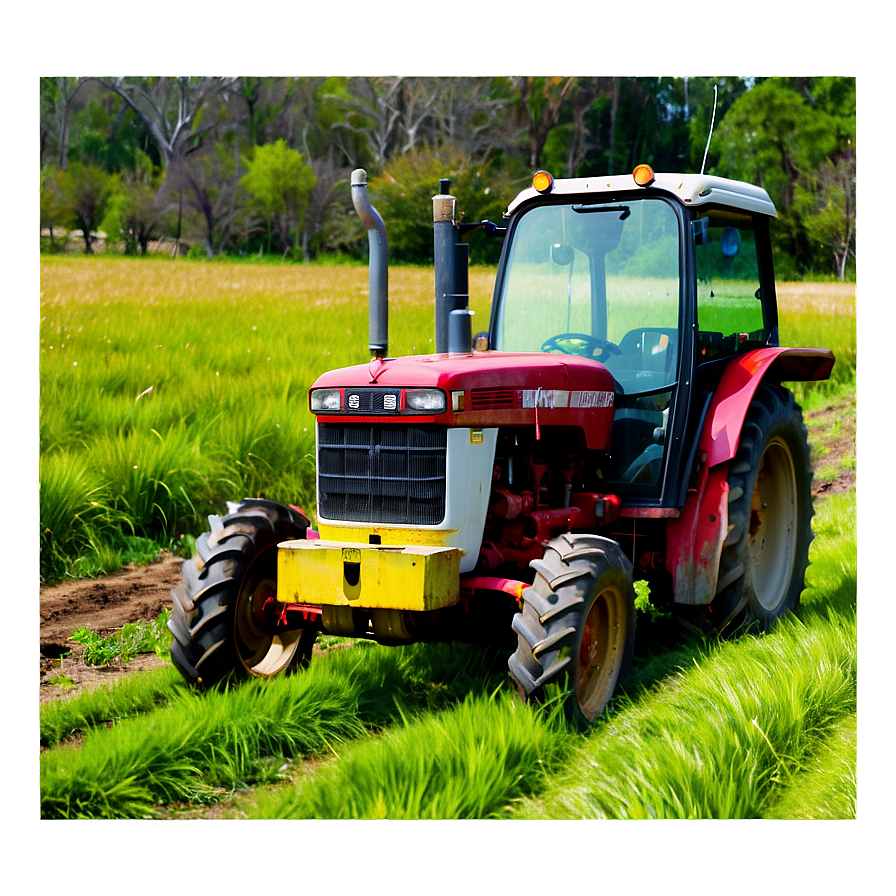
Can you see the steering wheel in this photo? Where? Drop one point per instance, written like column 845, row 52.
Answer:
column 581, row 344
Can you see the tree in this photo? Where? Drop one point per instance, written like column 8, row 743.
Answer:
column 279, row 179
column 773, row 136
column 539, row 103
column 57, row 99
column 403, row 196
column 85, row 190
column 134, row 211
column 52, row 211
column 828, row 206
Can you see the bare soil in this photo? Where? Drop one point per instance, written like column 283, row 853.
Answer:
column 104, row 605
column 140, row 593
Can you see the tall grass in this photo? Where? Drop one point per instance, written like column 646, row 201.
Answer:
column 714, row 741
column 470, row 761
column 198, row 746
column 132, row 695
column 734, row 729
column 180, row 385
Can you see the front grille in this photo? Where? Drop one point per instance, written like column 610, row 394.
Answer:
column 381, row 474
column 492, row 399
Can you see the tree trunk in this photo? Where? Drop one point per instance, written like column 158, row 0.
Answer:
column 614, row 106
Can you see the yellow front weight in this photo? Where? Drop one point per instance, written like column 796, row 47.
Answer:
column 410, row 577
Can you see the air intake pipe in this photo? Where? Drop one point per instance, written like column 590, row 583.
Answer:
column 451, row 262
column 379, row 264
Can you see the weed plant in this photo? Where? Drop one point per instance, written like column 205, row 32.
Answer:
column 123, row 645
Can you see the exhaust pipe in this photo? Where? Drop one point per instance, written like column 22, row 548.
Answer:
column 451, row 263
column 379, row 264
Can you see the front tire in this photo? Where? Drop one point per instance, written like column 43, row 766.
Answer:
column 217, row 618
column 764, row 559
column 577, row 625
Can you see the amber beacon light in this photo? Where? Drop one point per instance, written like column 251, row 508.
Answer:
column 643, row 175
column 542, row 181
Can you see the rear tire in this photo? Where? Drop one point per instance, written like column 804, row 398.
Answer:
column 215, row 618
column 577, row 625
column 764, row 559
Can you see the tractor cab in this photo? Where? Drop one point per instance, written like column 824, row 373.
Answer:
column 659, row 278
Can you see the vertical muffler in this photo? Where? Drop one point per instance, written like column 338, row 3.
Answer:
column 451, row 263
column 379, row 264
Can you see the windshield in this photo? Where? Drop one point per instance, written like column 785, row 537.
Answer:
column 599, row 280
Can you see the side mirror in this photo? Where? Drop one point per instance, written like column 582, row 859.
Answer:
column 730, row 242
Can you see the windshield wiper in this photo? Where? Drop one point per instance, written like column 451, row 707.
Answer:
column 626, row 211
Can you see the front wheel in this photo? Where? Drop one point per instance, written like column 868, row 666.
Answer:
column 764, row 559
column 577, row 625
column 222, row 618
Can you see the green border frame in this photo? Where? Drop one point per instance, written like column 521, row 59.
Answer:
column 482, row 37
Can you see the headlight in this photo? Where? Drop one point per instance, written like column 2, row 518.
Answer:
column 326, row 400
column 430, row 400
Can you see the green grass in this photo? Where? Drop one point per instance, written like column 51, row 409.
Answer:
column 755, row 727
column 826, row 788
column 739, row 722
column 168, row 388
column 132, row 695
column 199, row 746
column 470, row 761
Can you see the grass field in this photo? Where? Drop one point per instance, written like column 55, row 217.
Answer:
column 760, row 727
column 169, row 387
column 752, row 728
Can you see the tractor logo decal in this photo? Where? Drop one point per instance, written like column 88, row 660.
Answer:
column 556, row 398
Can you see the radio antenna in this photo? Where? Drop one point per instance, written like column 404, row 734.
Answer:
column 715, row 100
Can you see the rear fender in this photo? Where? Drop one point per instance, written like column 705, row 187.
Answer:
column 694, row 540
column 729, row 404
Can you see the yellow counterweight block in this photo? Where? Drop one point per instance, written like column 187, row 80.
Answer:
column 397, row 577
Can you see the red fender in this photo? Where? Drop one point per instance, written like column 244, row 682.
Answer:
column 694, row 540
column 728, row 406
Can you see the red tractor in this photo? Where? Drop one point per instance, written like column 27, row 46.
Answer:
column 622, row 419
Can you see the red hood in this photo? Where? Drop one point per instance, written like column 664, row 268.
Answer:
column 495, row 389
column 480, row 370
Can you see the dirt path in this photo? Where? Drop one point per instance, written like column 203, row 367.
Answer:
column 104, row 605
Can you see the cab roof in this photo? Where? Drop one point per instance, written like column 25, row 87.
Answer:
column 691, row 189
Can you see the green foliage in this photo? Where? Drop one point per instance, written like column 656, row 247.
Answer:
column 826, row 788
column 644, row 605
column 76, row 512
column 802, row 151
column 84, row 191
column 279, row 179
column 403, row 195
column 129, row 641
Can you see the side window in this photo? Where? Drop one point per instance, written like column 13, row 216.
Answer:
column 729, row 308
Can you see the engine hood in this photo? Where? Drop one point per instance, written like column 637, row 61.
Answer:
column 489, row 389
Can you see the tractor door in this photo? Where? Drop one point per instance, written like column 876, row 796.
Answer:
column 605, row 280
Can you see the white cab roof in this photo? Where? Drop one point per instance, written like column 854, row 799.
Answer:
column 691, row 189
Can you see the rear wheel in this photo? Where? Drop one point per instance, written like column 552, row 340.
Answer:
column 764, row 559
column 221, row 616
column 577, row 625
